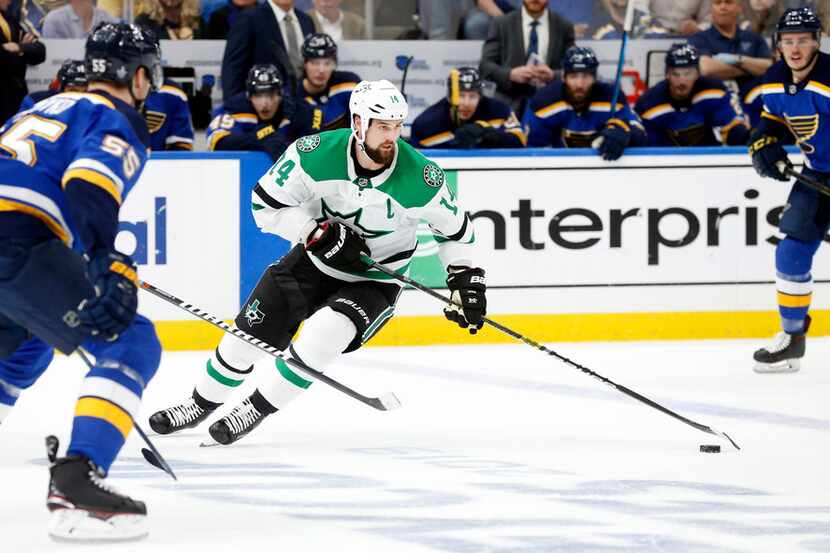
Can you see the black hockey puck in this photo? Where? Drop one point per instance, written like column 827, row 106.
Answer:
column 710, row 449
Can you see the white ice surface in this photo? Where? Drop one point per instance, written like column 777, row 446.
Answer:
column 496, row 449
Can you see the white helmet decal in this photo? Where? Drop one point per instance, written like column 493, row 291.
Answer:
column 376, row 100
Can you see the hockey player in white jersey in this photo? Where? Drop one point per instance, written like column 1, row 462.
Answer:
column 340, row 195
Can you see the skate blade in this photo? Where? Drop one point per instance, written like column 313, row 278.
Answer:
column 79, row 526
column 787, row 366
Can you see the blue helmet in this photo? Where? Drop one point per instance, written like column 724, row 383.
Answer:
column 115, row 51
column 72, row 73
column 319, row 45
column 682, row 55
column 263, row 78
column 579, row 59
column 798, row 20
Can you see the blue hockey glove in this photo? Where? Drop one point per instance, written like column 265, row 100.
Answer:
column 769, row 157
column 614, row 140
column 468, row 287
column 113, row 308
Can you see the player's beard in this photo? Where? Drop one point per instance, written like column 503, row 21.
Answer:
column 378, row 156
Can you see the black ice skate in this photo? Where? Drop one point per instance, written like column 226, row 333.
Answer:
column 179, row 417
column 83, row 508
column 784, row 354
column 238, row 423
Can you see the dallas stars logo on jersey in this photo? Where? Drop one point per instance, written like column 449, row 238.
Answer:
column 433, row 175
column 308, row 143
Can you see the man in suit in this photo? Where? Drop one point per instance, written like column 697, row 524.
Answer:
column 269, row 33
column 523, row 48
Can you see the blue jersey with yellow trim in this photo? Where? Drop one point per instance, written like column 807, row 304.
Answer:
column 32, row 98
column 237, row 126
column 552, row 120
column 707, row 118
column 434, row 127
column 92, row 137
column 804, row 108
column 168, row 118
column 333, row 100
column 752, row 101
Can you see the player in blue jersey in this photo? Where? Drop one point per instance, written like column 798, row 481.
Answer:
column 254, row 120
column 796, row 93
column 71, row 78
column 168, row 118
column 575, row 112
column 466, row 118
column 66, row 165
column 686, row 109
column 324, row 87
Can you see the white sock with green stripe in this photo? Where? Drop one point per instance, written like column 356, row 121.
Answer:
column 324, row 336
column 232, row 361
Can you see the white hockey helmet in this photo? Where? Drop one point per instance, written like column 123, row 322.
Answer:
column 376, row 100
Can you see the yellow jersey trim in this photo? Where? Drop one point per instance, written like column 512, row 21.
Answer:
column 102, row 409
column 48, row 220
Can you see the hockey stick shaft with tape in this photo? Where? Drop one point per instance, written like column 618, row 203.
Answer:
column 386, row 402
column 521, row 337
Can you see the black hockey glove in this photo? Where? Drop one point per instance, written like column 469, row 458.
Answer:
column 338, row 246
column 614, row 141
column 769, row 157
column 113, row 308
column 467, row 289
column 468, row 136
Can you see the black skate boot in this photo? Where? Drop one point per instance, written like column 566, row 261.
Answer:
column 239, row 422
column 84, row 508
column 185, row 415
column 784, row 354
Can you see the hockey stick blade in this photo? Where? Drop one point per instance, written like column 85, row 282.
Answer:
column 536, row 345
column 152, row 455
column 387, row 402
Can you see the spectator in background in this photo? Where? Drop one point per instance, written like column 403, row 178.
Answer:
column 222, row 19
column 578, row 12
column 680, row 17
column 729, row 53
column 74, row 20
column 441, row 19
column 171, row 19
column 522, row 50
column 762, row 16
column 336, row 23
column 167, row 113
column 575, row 112
column 465, row 119
column 324, row 87
column 254, row 120
column 17, row 51
column 687, row 109
column 71, row 78
column 478, row 18
column 608, row 20
column 269, row 33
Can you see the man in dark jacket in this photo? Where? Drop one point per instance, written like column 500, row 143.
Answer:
column 17, row 50
column 269, row 33
column 222, row 19
column 522, row 50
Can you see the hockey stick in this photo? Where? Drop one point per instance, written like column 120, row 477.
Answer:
column 386, row 402
column 498, row 326
column 809, row 182
column 152, row 455
column 627, row 25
